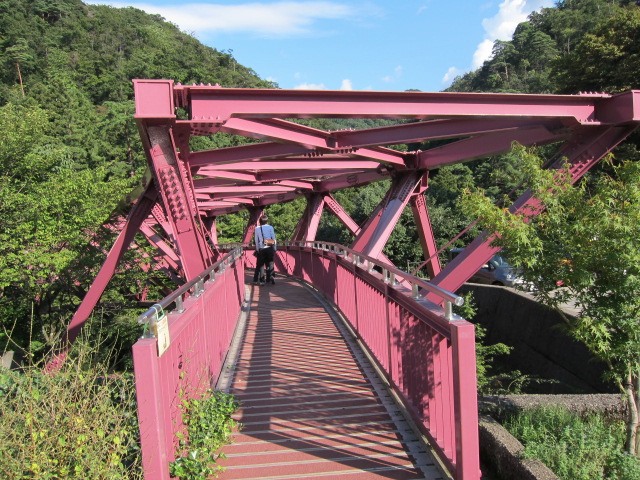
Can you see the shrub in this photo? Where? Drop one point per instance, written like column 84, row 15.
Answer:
column 77, row 423
column 574, row 447
column 209, row 425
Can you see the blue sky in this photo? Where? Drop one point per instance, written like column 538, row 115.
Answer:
column 349, row 45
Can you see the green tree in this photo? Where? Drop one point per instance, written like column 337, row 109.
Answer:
column 608, row 58
column 49, row 212
column 588, row 237
column 20, row 54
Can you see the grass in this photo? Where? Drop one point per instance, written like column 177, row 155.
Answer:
column 574, row 447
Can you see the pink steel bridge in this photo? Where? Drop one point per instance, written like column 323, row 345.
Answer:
column 424, row 353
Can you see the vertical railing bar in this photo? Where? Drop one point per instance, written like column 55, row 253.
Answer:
column 179, row 304
column 448, row 310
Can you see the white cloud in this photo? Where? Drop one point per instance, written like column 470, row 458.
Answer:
column 310, row 86
column 279, row 19
column 482, row 53
column 346, row 84
column 502, row 25
column 451, row 74
column 397, row 73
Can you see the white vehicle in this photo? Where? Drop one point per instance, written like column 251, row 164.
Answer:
column 497, row 271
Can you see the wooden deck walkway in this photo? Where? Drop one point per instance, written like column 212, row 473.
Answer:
column 311, row 405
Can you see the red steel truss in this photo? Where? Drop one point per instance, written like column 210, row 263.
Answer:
column 282, row 160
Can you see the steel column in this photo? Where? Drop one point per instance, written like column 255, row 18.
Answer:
column 254, row 215
column 307, row 226
column 179, row 204
column 425, row 232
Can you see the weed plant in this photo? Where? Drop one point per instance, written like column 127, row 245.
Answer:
column 575, row 447
column 77, row 423
column 209, row 426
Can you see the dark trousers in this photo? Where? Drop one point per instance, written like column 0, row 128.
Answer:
column 265, row 258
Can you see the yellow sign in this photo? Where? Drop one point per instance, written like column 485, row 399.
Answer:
column 163, row 335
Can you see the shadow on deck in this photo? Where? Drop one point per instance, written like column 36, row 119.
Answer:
column 311, row 404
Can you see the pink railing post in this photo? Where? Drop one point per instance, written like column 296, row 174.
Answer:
column 155, row 458
column 466, row 402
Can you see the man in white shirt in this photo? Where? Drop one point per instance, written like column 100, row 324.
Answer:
column 265, row 240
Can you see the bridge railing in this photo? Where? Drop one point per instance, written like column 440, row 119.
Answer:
column 180, row 366
column 425, row 351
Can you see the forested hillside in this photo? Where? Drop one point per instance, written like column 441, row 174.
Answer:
column 70, row 149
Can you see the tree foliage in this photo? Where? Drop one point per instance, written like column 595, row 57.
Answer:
column 70, row 146
column 587, row 237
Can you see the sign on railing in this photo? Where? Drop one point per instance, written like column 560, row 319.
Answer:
column 181, row 355
column 194, row 288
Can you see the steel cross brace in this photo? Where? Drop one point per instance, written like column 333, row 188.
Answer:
column 212, row 231
column 137, row 215
column 425, row 232
column 378, row 228
column 334, row 207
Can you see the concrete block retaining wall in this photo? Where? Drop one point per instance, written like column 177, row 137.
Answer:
column 541, row 346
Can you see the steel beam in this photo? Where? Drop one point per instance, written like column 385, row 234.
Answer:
column 351, row 180
column 231, row 155
column 486, row 145
column 429, row 130
column 309, row 164
column 216, row 104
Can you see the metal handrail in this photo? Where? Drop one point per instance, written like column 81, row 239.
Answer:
column 389, row 273
column 197, row 284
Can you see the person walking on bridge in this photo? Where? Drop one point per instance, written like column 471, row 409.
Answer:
column 265, row 240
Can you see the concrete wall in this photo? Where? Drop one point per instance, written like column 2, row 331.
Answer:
column 541, row 347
